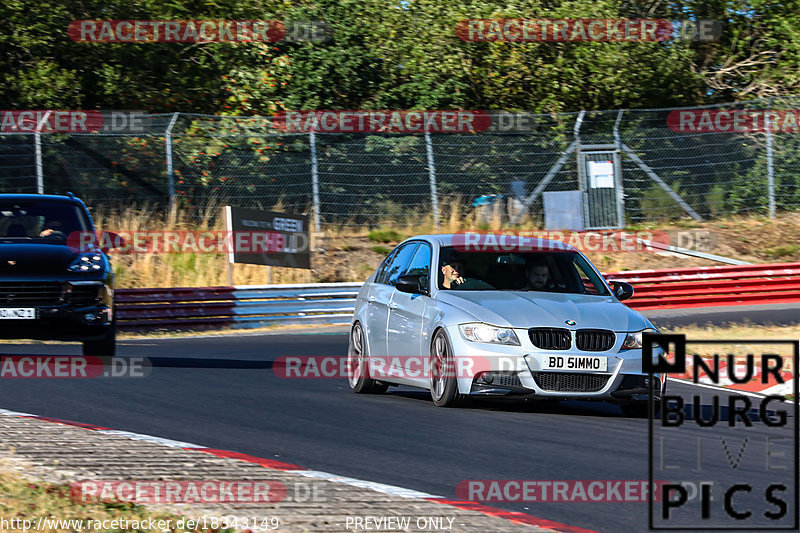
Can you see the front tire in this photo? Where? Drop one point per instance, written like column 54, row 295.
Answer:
column 444, row 382
column 640, row 409
column 104, row 347
column 358, row 365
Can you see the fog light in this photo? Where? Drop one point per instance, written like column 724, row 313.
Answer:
column 487, row 377
column 89, row 317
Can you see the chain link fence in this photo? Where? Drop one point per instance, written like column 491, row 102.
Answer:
column 672, row 165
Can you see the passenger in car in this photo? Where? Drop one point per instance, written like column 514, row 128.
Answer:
column 539, row 278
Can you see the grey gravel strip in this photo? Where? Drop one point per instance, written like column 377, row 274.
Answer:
column 58, row 453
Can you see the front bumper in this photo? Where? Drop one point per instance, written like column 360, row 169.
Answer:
column 83, row 311
column 519, row 371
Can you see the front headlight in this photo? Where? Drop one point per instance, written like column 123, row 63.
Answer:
column 490, row 334
column 88, row 262
column 633, row 340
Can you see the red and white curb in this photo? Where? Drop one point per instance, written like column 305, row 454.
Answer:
column 512, row 516
column 754, row 384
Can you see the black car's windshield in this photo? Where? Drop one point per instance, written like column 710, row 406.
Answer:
column 37, row 221
column 561, row 271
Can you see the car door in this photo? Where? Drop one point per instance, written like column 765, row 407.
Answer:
column 407, row 345
column 380, row 297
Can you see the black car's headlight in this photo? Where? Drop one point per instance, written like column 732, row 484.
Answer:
column 88, row 262
column 478, row 332
column 633, row 340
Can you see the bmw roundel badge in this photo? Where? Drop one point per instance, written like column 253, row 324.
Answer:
column 570, row 322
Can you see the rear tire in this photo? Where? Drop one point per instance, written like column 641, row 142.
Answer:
column 444, row 382
column 358, row 365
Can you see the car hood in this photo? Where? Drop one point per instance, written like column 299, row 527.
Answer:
column 541, row 309
column 33, row 258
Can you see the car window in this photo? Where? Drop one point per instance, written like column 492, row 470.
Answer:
column 420, row 265
column 561, row 271
column 380, row 276
column 53, row 221
column 590, row 282
column 399, row 263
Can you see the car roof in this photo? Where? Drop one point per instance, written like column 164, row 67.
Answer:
column 39, row 197
column 454, row 239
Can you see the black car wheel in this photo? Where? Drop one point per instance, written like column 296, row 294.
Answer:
column 104, row 347
column 640, row 409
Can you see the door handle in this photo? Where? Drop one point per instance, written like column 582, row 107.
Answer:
column 371, row 299
column 392, row 305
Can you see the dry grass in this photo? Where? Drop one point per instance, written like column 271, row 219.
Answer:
column 207, row 269
column 344, row 252
column 181, row 269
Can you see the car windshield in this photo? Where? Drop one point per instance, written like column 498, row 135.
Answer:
column 29, row 221
column 561, row 271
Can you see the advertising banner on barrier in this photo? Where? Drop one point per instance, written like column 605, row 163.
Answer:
column 268, row 238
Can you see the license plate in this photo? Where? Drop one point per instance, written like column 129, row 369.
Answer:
column 18, row 313
column 591, row 363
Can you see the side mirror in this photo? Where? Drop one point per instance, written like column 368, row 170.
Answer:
column 622, row 290
column 411, row 283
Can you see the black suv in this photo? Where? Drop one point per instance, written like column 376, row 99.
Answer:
column 52, row 287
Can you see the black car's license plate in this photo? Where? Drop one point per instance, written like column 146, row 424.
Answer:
column 17, row 313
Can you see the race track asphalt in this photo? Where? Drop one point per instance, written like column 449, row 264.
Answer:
column 222, row 392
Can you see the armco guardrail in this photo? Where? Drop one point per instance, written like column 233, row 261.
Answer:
column 712, row 286
column 260, row 305
column 249, row 306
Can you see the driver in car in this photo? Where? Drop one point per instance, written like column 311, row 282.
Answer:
column 52, row 228
column 452, row 273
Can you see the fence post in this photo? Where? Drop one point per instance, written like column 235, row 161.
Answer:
column 37, row 141
column 432, row 178
column 312, row 141
column 170, row 171
column 618, row 172
column 770, row 162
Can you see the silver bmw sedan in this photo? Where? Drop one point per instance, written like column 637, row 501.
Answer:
column 465, row 316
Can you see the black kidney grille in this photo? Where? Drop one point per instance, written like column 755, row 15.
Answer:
column 595, row 340
column 551, row 338
column 570, row 381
